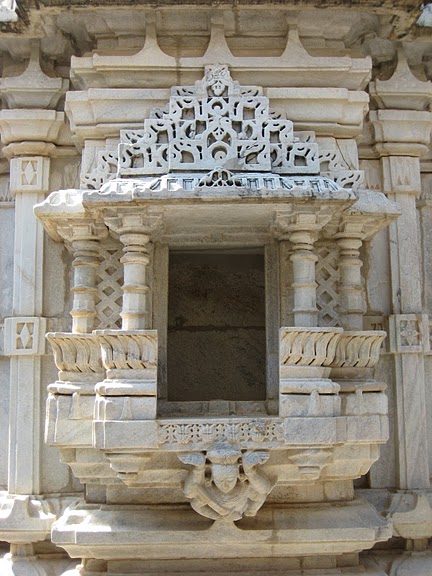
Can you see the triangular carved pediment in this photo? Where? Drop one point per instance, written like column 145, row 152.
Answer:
column 216, row 123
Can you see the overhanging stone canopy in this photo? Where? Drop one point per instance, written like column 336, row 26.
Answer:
column 220, row 142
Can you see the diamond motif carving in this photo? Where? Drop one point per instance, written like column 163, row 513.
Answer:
column 409, row 333
column 29, row 174
column 24, row 336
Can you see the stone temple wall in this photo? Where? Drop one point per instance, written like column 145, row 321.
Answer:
column 215, row 280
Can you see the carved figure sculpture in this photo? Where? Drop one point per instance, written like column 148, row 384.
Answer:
column 225, row 483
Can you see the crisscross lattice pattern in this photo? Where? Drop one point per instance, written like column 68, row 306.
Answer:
column 109, row 292
column 327, row 278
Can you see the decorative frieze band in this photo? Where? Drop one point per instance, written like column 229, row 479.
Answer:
column 244, row 431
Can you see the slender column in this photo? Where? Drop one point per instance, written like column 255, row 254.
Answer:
column 135, row 231
column 77, row 355
column 301, row 227
column 349, row 240
column 135, row 288
column 304, row 284
column 129, row 355
column 83, row 238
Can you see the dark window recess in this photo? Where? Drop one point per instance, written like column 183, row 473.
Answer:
column 216, row 327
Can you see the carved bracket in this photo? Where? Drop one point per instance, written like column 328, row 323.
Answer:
column 224, row 483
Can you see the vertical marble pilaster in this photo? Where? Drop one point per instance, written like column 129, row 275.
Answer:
column 407, row 338
column 30, row 131
column 402, row 132
column 29, row 184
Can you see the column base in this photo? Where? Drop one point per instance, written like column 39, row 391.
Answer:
column 401, row 564
column 22, row 561
column 24, row 519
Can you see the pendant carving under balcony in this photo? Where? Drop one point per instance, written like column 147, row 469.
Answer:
column 224, row 483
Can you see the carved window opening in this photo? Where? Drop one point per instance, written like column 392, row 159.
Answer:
column 216, row 326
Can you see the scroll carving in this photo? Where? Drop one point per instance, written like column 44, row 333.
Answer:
column 308, row 346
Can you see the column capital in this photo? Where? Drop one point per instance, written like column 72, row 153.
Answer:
column 351, row 226
column 307, row 220
column 82, row 229
column 401, row 132
column 146, row 222
column 33, row 88
column 403, row 91
column 32, row 129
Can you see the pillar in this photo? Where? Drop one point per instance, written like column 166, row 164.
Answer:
column 135, row 231
column 350, row 239
column 300, row 228
column 29, row 135
column 402, row 134
column 407, row 335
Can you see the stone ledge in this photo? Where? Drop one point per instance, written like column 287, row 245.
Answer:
column 113, row 532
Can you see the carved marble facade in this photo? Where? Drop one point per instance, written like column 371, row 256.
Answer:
column 131, row 135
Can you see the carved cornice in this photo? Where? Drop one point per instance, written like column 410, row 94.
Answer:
column 403, row 91
column 372, row 212
column 151, row 66
column 30, row 126
column 33, row 88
